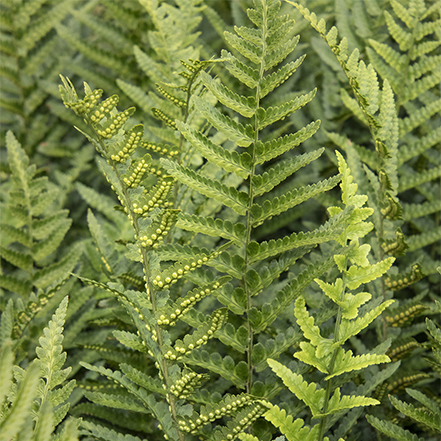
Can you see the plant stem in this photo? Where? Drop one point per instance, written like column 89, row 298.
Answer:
column 329, row 388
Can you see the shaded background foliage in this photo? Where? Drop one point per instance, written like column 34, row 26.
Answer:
column 126, row 48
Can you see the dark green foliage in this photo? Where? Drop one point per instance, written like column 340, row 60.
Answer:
column 229, row 276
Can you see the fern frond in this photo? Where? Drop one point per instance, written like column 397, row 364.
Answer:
column 271, row 149
column 245, row 106
column 328, row 231
column 270, row 208
column 392, row 430
column 240, row 134
column 419, row 116
column 263, row 319
column 229, row 196
column 241, row 422
column 116, row 401
column 278, row 173
column 307, row 392
column 274, row 80
column 230, row 161
column 244, row 73
column 13, row 421
column 424, row 416
column 225, row 366
column 199, row 337
column 415, row 179
column 418, row 241
column 101, row 432
column 270, row 115
column 294, row 430
column 212, row 227
column 346, row 362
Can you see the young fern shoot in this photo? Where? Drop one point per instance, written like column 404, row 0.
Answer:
column 327, row 355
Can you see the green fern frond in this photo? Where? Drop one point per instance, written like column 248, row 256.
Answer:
column 307, row 392
column 237, row 132
column 15, row 420
column 276, row 174
column 294, row 430
column 271, row 149
column 225, row 367
column 229, row 196
column 212, row 227
column 263, row 319
column 101, row 432
column 199, row 337
column 273, row 207
column 392, row 430
column 230, row 161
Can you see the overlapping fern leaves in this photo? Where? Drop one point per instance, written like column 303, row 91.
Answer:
column 265, row 47
column 33, row 227
column 34, row 401
column 153, row 213
column 327, row 354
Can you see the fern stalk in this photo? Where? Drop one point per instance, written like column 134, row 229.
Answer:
column 251, row 198
column 329, row 389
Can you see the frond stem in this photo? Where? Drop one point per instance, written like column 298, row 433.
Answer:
column 329, row 384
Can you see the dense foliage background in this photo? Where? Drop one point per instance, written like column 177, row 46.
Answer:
column 308, row 306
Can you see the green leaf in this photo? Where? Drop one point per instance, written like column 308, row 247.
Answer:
column 392, row 430
column 116, row 401
column 58, row 270
column 307, row 392
column 50, row 350
column 212, row 227
column 47, row 246
column 328, row 231
column 271, row 149
column 6, row 365
column 355, row 276
column 346, row 362
column 274, row 175
column 337, row 404
column 237, row 200
column 225, row 367
column 270, row 82
column 14, row 284
column 17, row 258
column 236, row 132
column 20, row 411
column 286, row 296
column 424, row 416
column 271, row 115
column 293, row 430
column 246, row 106
column 230, row 161
column 280, row 52
column 351, row 328
column 100, row 432
column 244, row 73
column 141, row 379
column 277, row 205
column 245, row 48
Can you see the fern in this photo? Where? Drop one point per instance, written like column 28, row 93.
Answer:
column 327, row 354
column 32, row 404
column 30, row 243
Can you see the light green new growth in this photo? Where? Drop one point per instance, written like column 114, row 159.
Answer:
column 327, row 354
